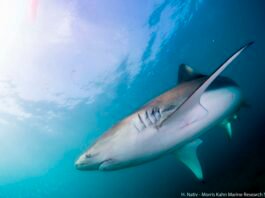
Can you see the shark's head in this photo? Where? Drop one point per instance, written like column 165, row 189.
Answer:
column 108, row 152
column 88, row 161
column 94, row 157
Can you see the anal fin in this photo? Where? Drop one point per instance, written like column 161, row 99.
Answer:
column 188, row 156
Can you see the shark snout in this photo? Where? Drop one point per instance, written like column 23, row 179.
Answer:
column 80, row 162
column 85, row 164
column 88, row 161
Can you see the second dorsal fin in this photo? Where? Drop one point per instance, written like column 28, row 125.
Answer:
column 187, row 73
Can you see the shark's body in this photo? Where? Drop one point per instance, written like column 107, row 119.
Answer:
column 171, row 123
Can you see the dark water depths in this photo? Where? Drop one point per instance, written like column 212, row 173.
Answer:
column 159, row 37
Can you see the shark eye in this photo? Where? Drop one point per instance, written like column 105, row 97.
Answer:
column 88, row 155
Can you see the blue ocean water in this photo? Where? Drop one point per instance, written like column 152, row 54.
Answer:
column 81, row 66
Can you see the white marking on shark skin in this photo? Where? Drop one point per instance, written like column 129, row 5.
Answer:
column 167, row 123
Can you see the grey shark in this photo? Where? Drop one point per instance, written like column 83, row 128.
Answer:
column 170, row 123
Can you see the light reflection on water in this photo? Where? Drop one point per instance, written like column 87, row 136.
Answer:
column 64, row 58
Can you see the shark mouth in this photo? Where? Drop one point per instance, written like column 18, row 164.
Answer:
column 106, row 165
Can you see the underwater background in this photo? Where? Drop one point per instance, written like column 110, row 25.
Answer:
column 69, row 70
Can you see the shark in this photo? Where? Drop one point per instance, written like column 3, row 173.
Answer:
column 171, row 123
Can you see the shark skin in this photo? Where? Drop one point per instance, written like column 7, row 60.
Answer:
column 170, row 123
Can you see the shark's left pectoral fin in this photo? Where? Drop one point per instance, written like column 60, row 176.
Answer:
column 194, row 98
column 188, row 156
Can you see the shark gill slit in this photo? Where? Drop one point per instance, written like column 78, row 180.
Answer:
column 141, row 121
column 157, row 113
column 152, row 116
column 149, row 122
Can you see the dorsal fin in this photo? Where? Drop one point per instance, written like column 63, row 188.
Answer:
column 187, row 73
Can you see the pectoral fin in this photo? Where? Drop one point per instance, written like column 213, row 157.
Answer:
column 188, row 156
column 194, row 98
